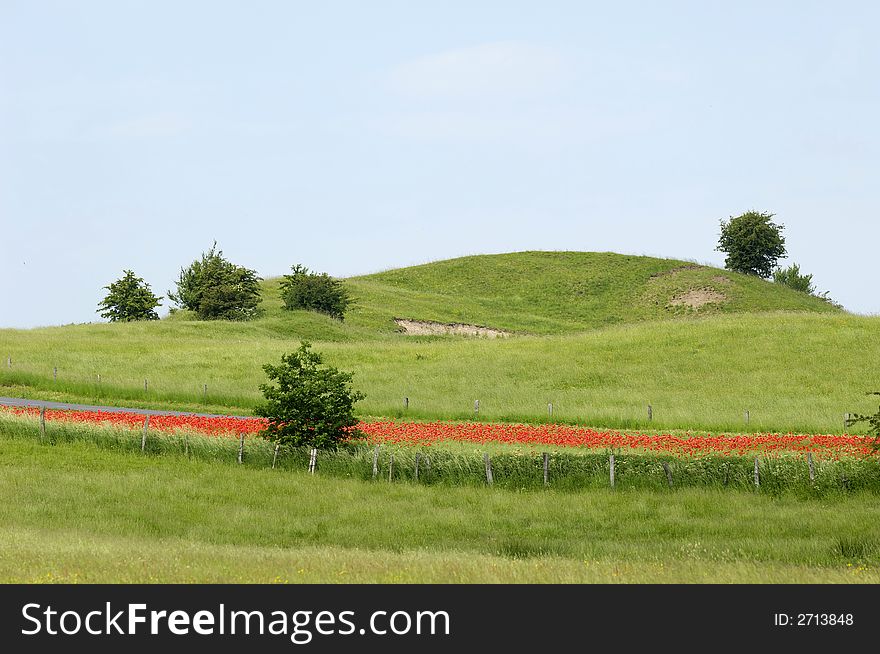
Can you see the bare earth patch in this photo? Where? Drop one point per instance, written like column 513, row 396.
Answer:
column 431, row 328
column 721, row 279
column 697, row 298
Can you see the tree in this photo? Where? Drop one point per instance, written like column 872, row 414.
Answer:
column 130, row 298
column 752, row 242
column 312, row 405
column 315, row 292
column 793, row 278
column 217, row 289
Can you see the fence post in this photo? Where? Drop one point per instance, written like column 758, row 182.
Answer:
column 8, row 362
column 42, row 423
column 417, row 465
column 668, row 474
column 550, row 409
column 650, row 412
column 185, row 444
column 204, row 393
column 611, row 469
column 144, row 435
column 488, row 462
column 546, row 469
column 846, row 418
column 55, row 373
column 241, row 447
column 812, row 469
column 375, row 461
column 390, row 467
column 757, row 474
column 406, row 403
column 748, row 416
column 275, row 455
column 313, row 460
column 476, row 406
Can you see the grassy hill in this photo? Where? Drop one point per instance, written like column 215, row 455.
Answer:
column 596, row 336
column 530, row 293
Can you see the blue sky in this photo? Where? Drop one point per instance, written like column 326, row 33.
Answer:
column 355, row 137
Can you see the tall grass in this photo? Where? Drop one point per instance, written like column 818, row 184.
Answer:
column 792, row 372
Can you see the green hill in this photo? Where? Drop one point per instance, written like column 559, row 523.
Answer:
column 535, row 293
column 598, row 335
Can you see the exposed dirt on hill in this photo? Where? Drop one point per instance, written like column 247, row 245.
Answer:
column 678, row 269
column 697, row 298
column 432, row 328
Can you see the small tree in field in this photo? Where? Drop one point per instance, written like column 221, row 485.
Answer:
column 130, row 298
column 309, row 405
column 752, row 242
column 217, row 289
column 315, row 292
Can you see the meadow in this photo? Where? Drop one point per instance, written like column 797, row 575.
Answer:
column 78, row 512
column 595, row 339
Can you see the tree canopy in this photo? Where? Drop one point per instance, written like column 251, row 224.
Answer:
column 753, row 243
column 217, row 289
column 129, row 298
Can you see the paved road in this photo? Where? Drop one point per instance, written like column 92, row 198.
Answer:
column 14, row 401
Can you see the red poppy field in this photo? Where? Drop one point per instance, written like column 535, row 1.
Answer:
column 546, row 435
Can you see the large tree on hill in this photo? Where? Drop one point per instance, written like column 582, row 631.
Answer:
column 753, row 243
column 130, row 298
column 217, row 289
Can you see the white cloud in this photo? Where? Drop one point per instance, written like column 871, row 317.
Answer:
column 503, row 69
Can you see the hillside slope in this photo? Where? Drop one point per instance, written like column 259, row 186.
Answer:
column 533, row 293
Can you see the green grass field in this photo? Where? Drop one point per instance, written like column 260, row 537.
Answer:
column 598, row 335
column 74, row 512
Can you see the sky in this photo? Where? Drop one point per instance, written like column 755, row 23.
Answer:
column 354, row 137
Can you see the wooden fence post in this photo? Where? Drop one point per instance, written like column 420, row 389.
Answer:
column 748, row 416
column 546, row 469
column 185, row 444
column 668, row 474
column 757, row 474
column 650, row 412
column 42, row 423
column 204, row 393
column 55, row 373
column 313, row 460
column 418, row 455
column 812, row 469
column 275, row 456
column 390, row 467
column 476, row 406
column 846, row 418
column 241, row 448
column 611, row 469
column 144, row 435
column 488, row 463
column 406, row 403
column 550, row 409
column 375, row 461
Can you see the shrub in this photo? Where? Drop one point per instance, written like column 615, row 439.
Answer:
column 752, row 242
column 315, row 292
column 311, row 405
column 130, row 298
column 217, row 289
column 793, row 278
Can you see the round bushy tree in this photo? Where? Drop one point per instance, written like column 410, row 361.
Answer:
column 315, row 292
column 309, row 404
column 753, row 243
column 129, row 298
column 217, row 289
